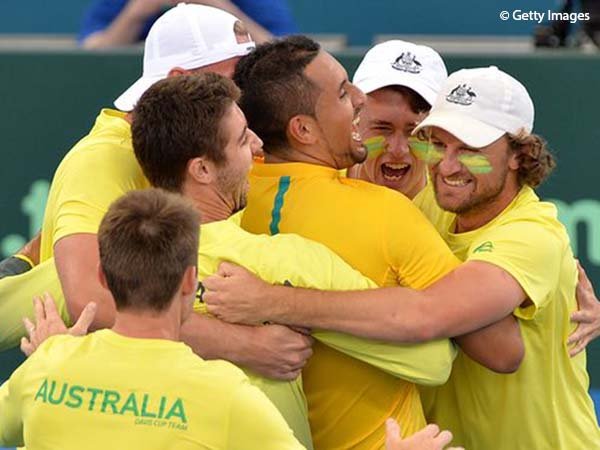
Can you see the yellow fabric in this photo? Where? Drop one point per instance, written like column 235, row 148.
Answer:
column 380, row 233
column 100, row 168
column 545, row 404
column 16, row 294
column 300, row 262
column 308, row 264
column 107, row 391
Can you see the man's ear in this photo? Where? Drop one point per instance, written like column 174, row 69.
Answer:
column 513, row 161
column 189, row 283
column 175, row 71
column 201, row 170
column 303, row 129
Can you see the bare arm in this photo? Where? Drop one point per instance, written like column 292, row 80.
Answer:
column 77, row 257
column 127, row 26
column 499, row 346
column 474, row 295
column 273, row 351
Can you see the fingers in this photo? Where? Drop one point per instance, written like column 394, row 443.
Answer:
column 49, row 306
column 29, row 326
column 443, row 439
column 38, row 309
column 227, row 269
column 84, row 321
column 26, row 346
column 213, row 283
column 582, row 317
column 392, row 433
column 576, row 336
column 579, row 347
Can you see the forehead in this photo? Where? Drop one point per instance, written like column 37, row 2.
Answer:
column 326, row 71
column 388, row 105
column 233, row 122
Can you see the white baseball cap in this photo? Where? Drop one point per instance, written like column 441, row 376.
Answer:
column 401, row 63
column 480, row 105
column 186, row 36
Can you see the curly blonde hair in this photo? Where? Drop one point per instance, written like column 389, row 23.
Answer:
column 535, row 160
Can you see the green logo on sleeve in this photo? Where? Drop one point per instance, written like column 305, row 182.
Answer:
column 105, row 401
column 487, row 246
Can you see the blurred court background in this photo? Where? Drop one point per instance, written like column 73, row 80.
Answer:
column 51, row 92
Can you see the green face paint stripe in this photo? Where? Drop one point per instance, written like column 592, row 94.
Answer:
column 375, row 146
column 425, row 151
column 476, row 164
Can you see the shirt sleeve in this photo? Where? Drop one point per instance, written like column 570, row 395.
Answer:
column 415, row 250
column 427, row 364
column 82, row 203
column 255, row 423
column 531, row 254
column 11, row 409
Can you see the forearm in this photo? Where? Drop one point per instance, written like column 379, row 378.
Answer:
column 469, row 298
column 499, row 346
column 211, row 338
column 77, row 259
column 390, row 314
column 124, row 30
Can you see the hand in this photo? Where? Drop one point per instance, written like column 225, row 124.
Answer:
column 235, row 295
column 48, row 323
column 278, row 352
column 588, row 315
column 429, row 438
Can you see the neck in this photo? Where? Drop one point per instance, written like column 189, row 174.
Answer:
column 292, row 155
column 128, row 118
column 482, row 215
column 209, row 201
column 148, row 324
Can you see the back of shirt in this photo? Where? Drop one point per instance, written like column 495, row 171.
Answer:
column 378, row 232
column 109, row 391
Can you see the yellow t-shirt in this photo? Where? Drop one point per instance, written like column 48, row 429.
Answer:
column 288, row 258
column 100, row 168
column 380, row 233
column 307, row 264
column 105, row 391
column 545, row 404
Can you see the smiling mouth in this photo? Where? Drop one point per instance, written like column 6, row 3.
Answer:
column 356, row 136
column 394, row 171
column 455, row 182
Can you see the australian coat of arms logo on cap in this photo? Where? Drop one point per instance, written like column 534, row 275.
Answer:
column 407, row 62
column 462, row 95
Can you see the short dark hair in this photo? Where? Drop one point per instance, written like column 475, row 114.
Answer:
column 275, row 87
column 416, row 102
column 147, row 240
column 177, row 119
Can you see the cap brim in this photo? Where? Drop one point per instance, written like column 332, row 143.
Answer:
column 127, row 100
column 372, row 84
column 471, row 131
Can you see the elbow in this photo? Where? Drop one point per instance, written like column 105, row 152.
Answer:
column 507, row 363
